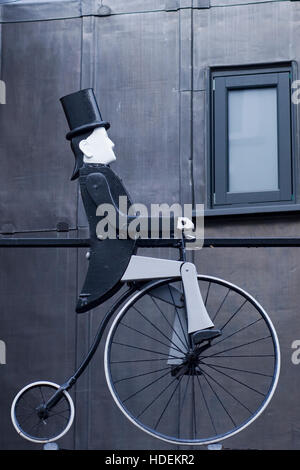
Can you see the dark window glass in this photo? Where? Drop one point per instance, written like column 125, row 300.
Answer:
column 252, row 157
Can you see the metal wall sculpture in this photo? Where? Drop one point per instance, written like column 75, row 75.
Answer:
column 148, row 62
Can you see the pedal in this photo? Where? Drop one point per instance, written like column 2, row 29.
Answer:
column 205, row 335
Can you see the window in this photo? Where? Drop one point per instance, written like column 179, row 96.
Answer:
column 251, row 138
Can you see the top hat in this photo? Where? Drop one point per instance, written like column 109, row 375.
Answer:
column 82, row 112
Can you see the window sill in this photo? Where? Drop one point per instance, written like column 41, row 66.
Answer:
column 253, row 210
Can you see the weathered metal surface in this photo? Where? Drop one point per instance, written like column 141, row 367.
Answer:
column 36, row 192
column 262, row 33
column 119, row 432
column 271, row 275
column 37, row 324
column 37, row 10
column 118, row 6
column 134, row 6
column 185, row 50
column 249, row 34
column 228, row 3
column 200, row 136
column 134, row 75
column 143, row 71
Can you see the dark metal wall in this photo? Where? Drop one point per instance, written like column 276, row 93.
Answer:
column 148, row 63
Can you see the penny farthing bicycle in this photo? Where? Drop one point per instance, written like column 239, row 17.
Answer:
column 189, row 359
column 172, row 389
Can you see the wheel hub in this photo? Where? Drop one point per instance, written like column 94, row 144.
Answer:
column 42, row 412
column 191, row 362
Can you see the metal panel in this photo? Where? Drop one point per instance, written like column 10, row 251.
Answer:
column 201, row 3
column 130, row 88
column 94, row 404
column 271, row 275
column 37, row 323
column 186, row 163
column 35, row 10
column 87, row 81
column 40, row 63
column 185, row 64
column 144, row 88
column 134, row 6
column 186, row 183
column 228, row 3
column 252, row 34
column 83, row 341
column 200, row 135
column 135, row 73
column 118, row 432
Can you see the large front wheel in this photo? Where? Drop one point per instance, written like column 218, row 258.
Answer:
column 184, row 394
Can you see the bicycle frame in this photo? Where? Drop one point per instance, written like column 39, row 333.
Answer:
column 73, row 379
column 142, row 269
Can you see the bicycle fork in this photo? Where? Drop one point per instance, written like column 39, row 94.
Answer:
column 142, row 268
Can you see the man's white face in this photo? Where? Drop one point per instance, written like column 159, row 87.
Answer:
column 98, row 148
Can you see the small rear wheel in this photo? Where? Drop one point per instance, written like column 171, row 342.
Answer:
column 36, row 424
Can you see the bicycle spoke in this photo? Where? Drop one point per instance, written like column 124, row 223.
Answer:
column 146, row 386
column 148, row 350
column 229, row 393
column 154, row 326
column 236, row 347
column 28, row 416
column 171, row 326
column 60, row 412
column 217, row 396
column 141, row 375
column 148, row 336
column 222, row 303
column 178, row 316
column 42, row 395
column 207, row 294
column 169, row 401
column 184, row 395
column 25, row 414
column 241, row 370
column 206, row 405
column 156, row 398
column 194, row 424
column 234, row 314
column 36, row 425
column 28, row 407
column 235, row 380
column 244, row 355
column 32, row 407
column 59, row 415
column 137, row 360
column 237, row 331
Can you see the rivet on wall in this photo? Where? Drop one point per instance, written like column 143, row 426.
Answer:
column 104, row 11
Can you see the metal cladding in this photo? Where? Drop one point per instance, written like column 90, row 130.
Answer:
column 148, row 62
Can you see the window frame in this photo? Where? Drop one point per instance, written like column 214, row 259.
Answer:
column 222, row 79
